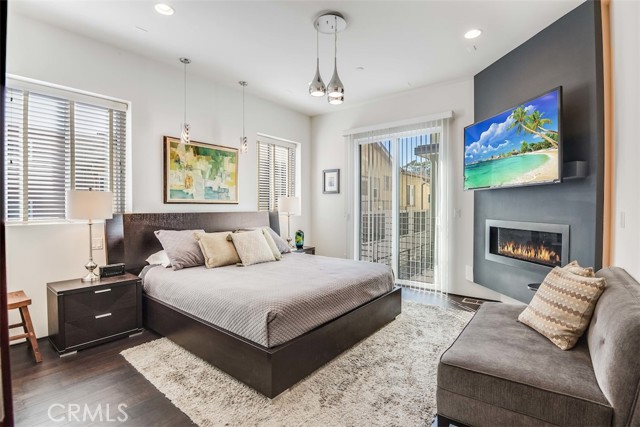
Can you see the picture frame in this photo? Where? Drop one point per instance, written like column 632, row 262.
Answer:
column 331, row 181
column 197, row 172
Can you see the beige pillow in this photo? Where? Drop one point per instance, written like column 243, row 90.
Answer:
column 272, row 245
column 252, row 247
column 217, row 251
column 575, row 268
column 562, row 307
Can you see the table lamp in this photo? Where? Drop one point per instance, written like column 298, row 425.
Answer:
column 289, row 206
column 90, row 205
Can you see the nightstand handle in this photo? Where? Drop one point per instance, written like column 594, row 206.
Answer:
column 100, row 316
column 102, row 290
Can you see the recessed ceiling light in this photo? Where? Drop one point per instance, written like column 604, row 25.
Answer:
column 472, row 34
column 164, row 9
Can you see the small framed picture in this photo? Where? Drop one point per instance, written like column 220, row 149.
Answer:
column 331, row 181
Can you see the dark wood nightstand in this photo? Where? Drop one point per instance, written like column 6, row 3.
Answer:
column 311, row 250
column 83, row 314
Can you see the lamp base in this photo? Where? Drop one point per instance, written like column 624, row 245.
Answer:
column 91, row 277
column 291, row 245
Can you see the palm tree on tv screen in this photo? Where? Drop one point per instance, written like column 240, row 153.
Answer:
column 523, row 121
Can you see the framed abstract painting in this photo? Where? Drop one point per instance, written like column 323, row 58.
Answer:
column 199, row 173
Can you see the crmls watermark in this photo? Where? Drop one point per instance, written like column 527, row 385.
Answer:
column 59, row 412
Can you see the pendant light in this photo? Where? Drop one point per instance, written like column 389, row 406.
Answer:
column 335, row 89
column 328, row 23
column 317, row 87
column 184, row 134
column 244, row 146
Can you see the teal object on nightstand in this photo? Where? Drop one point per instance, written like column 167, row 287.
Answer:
column 299, row 239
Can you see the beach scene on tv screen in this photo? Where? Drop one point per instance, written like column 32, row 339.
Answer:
column 517, row 147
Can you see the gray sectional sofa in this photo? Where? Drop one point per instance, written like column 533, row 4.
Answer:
column 500, row 372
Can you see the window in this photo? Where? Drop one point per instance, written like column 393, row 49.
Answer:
column 411, row 195
column 276, row 172
column 54, row 143
column 404, row 223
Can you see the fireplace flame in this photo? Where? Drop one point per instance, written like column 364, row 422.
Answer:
column 536, row 253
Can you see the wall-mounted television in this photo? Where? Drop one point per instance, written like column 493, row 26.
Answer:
column 520, row 146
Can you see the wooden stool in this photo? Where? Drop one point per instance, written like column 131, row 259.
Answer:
column 21, row 301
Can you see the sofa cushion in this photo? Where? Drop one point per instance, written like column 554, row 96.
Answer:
column 500, row 362
column 614, row 344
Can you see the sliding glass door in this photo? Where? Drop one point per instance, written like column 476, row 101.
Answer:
column 397, row 200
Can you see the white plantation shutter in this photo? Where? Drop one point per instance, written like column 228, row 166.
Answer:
column 54, row 144
column 276, row 173
column 47, row 165
column 13, row 140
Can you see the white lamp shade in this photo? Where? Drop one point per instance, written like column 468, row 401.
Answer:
column 85, row 204
column 289, row 205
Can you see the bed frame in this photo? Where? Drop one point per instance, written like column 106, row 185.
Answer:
column 270, row 371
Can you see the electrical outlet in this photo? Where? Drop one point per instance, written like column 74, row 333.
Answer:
column 622, row 220
column 468, row 273
column 96, row 244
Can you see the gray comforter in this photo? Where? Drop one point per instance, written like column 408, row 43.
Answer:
column 274, row 302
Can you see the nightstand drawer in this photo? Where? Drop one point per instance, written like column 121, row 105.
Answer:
column 99, row 301
column 100, row 325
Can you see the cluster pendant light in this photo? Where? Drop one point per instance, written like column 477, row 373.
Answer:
column 330, row 23
column 244, row 146
column 184, row 134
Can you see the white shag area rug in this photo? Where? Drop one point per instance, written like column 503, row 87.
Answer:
column 389, row 379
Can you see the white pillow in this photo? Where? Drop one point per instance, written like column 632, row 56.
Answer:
column 252, row 247
column 159, row 258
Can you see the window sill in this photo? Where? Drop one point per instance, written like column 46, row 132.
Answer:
column 48, row 222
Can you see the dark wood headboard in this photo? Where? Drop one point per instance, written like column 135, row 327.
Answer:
column 131, row 238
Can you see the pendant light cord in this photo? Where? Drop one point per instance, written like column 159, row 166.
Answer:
column 317, row 46
column 185, row 92
column 335, row 40
column 243, row 86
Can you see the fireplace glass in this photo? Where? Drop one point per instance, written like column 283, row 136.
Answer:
column 539, row 247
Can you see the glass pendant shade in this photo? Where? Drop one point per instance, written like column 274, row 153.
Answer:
column 317, row 87
column 335, row 100
column 244, row 145
column 184, row 135
column 335, row 87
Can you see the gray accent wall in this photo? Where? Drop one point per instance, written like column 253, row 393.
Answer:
column 568, row 53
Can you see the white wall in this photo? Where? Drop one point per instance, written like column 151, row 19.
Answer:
column 329, row 224
column 625, row 29
column 44, row 253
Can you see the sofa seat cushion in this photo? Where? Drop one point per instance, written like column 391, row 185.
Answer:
column 500, row 362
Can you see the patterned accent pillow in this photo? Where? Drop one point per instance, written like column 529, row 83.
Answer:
column 283, row 247
column 575, row 268
column 272, row 245
column 182, row 249
column 562, row 307
column 252, row 247
column 217, row 251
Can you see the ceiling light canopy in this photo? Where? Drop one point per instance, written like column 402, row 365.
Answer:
column 164, row 9
column 472, row 34
column 330, row 23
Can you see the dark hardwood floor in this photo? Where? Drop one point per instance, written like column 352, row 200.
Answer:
column 99, row 378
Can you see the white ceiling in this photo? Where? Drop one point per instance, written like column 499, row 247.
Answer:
column 271, row 44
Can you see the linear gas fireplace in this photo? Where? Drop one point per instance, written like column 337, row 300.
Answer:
column 529, row 245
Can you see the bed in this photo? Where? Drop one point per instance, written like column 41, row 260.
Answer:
column 268, row 325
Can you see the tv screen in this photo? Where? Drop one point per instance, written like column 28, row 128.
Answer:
column 520, row 146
